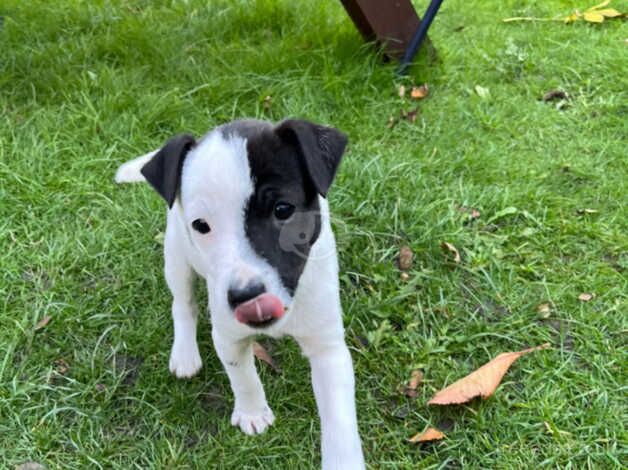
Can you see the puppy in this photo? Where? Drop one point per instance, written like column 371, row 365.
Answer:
column 247, row 212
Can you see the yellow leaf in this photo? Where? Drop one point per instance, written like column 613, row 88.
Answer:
column 593, row 17
column 609, row 13
column 601, row 5
column 571, row 18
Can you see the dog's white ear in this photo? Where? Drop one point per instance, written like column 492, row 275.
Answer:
column 321, row 147
column 163, row 171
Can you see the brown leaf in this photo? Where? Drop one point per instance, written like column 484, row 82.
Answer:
column 430, row 434
column 260, row 352
column 446, row 246
column 412, row 114
column 585, row 296
column 43, row 322
column 555, row 95
column 416, row 378
column 402, row 91
column 405, row 258
column 61, row 366
column 419, row 92
column 482, row 382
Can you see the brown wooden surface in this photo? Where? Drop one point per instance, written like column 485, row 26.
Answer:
column 390, row 22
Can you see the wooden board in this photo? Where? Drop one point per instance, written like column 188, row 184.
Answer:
column 391, row 23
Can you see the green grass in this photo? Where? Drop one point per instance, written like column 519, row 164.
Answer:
column 85, row 86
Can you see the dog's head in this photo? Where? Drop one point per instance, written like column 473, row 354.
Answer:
column 248, row 194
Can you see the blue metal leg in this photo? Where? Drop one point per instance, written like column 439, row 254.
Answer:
column 418, row 37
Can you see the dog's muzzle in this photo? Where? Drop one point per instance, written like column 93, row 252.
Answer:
column 254, row 307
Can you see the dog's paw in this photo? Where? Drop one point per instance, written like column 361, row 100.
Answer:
column 185, row 360
column 253, row 423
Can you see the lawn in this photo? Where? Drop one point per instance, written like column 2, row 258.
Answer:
column 86, row 85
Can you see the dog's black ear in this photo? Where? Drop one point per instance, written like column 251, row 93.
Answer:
column 322, row 148
column 163, row 171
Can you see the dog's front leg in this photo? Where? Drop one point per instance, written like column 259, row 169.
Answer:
column 334, row 384
column 185, row 359
column 251, row 411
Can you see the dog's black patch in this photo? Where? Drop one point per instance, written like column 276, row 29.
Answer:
column 163, row 171
column 290, row 164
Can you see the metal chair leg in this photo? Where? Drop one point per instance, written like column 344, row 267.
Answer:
column 419, row 35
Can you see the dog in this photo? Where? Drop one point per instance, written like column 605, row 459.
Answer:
column 247, row 211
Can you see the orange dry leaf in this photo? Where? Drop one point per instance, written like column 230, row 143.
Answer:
column 260, row 352
column 430, row 434
column 481, row 382
column 419, row 92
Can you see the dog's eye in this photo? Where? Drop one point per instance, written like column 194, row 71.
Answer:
column 283, row 210
column 201, row 226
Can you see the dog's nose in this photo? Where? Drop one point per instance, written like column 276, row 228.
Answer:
column 239, row 295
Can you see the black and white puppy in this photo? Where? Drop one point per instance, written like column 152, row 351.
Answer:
column 247, row 212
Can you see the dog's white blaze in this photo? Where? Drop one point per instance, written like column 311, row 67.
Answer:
column 216, row 185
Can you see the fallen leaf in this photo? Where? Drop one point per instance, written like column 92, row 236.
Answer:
column 419, row 92
column 430, row 434
column 260, row 352
column 482, row 92
column 555, row 95
column 451, row 249
column 595, row 14
column 482, row 382
column 43, row 322
column 593, row 17
column 405, row 258
column 410, row 389
column 411, row 116
column 585, row 297
column 609, row 13
column 402, row 91
column 601, row 5
column 544, row 310
column 572, row 18
column 61, row 366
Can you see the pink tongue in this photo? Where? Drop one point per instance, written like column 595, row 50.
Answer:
column 261, row 308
